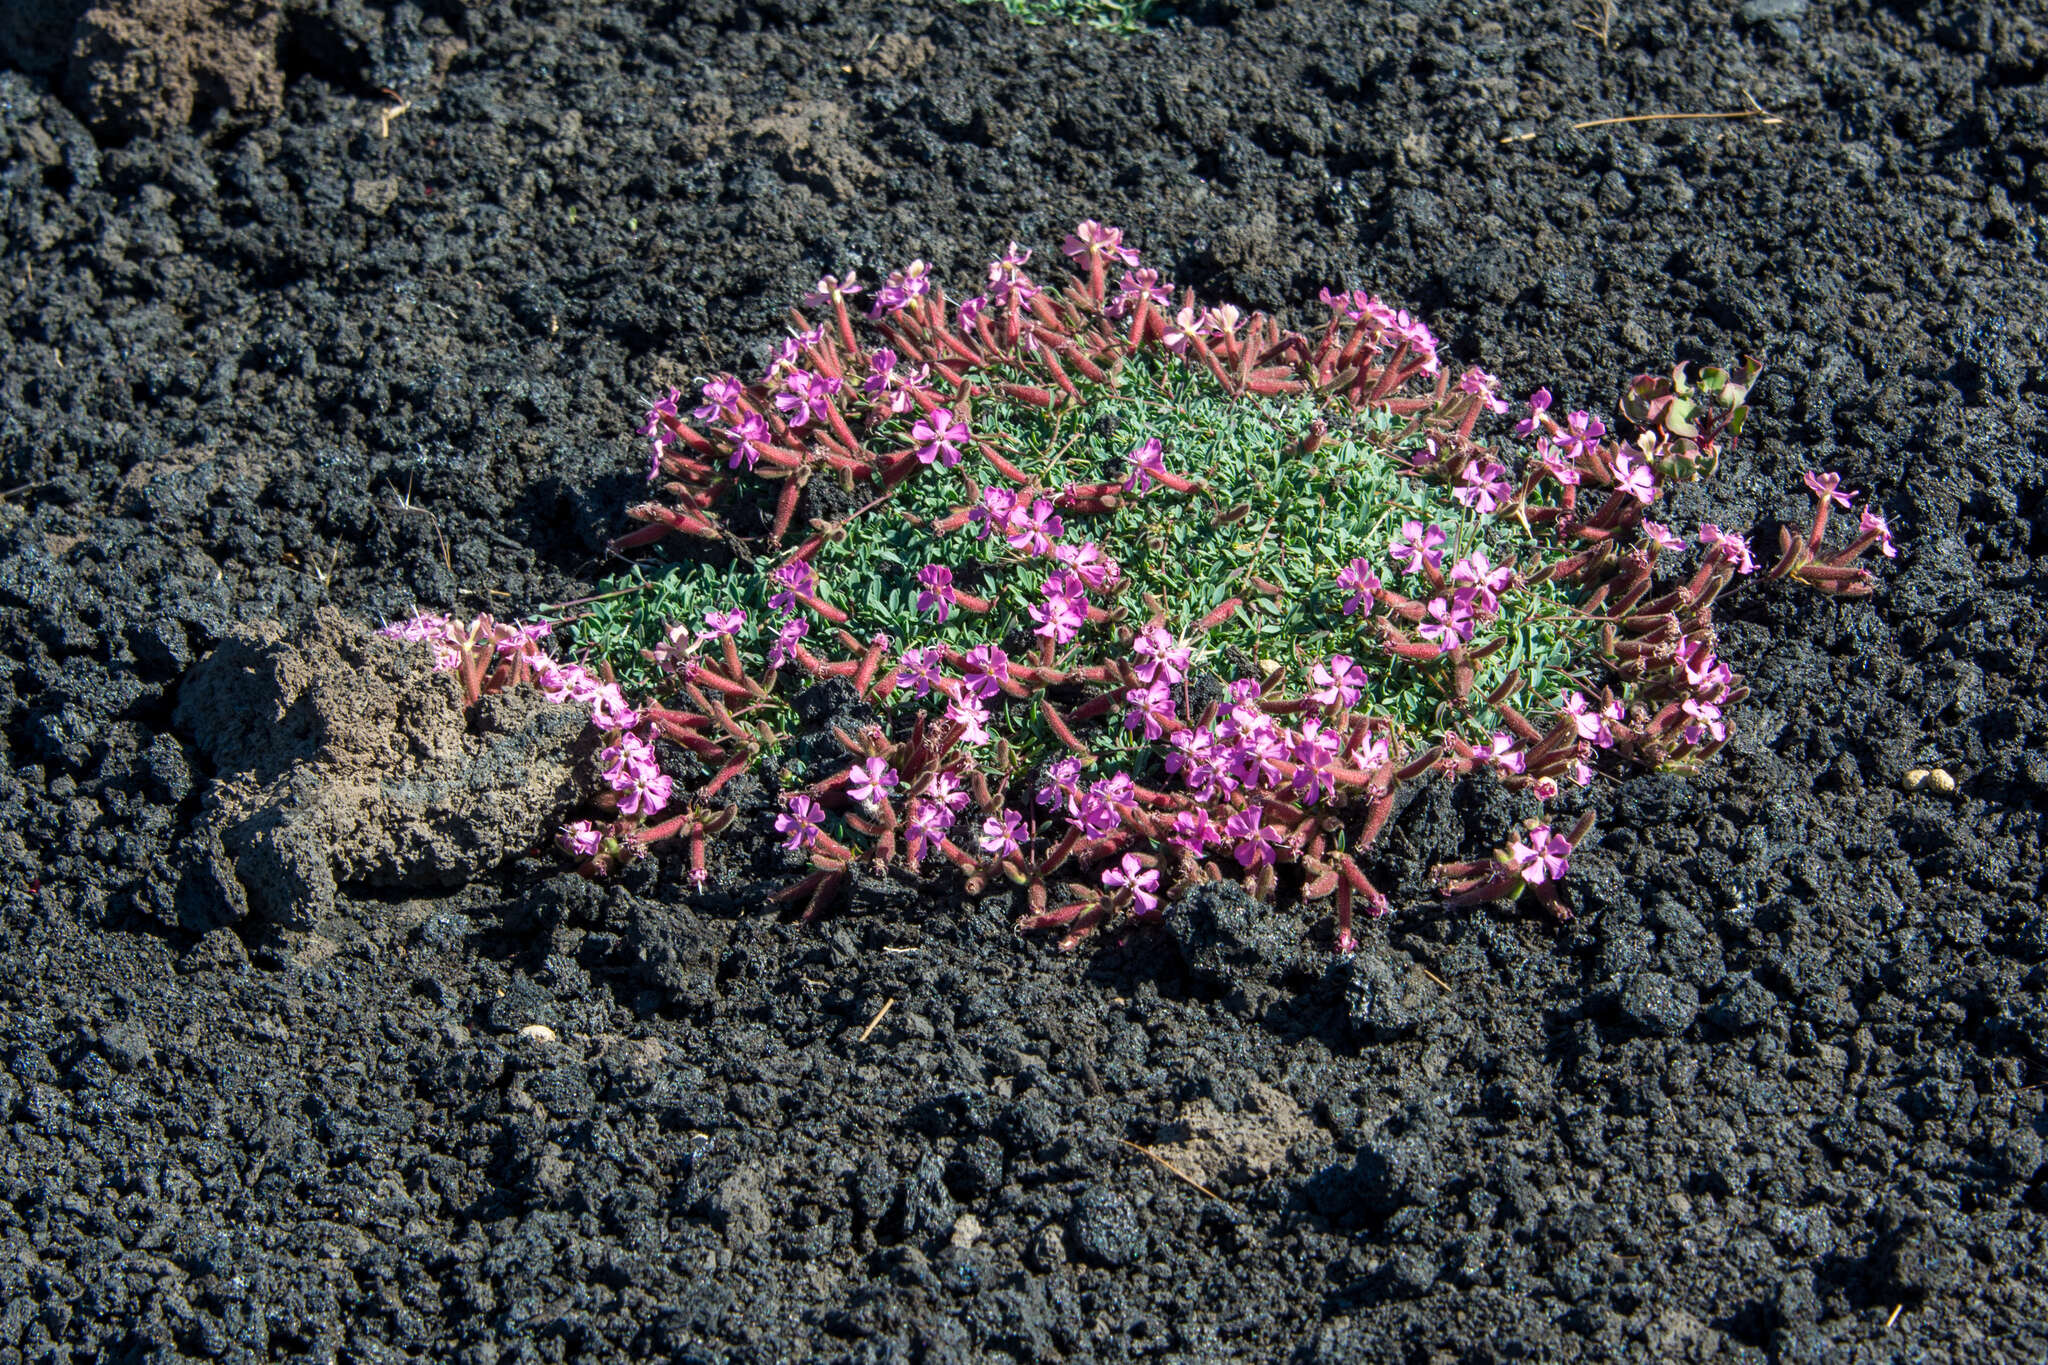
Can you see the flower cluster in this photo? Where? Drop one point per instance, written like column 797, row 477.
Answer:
column 1149, row 593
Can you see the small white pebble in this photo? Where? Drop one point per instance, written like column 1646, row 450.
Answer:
column 1916, row 778
column 966, row 1228
column 536, row 1033
column 1941, row 781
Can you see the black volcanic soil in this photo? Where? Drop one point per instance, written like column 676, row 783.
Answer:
column 1775, row 1094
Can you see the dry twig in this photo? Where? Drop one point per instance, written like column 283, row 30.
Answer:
column 1173, row 1170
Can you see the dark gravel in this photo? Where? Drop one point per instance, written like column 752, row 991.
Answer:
column 1777, row 1093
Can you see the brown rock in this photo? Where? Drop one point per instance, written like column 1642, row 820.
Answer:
column 139, row 67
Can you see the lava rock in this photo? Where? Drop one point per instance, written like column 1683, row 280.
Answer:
column 1104, row 1228
column 1660, row 1004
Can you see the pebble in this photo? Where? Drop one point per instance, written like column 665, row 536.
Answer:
column 1938, row 780
column 537, row 1034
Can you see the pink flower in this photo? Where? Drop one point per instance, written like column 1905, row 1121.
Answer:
column 645, row 793
column 831, row 287
column 748, row 435
column 1186, row 325
column 1871, row 524
column 972, row 718
column 872, row 779
column 1504, row 755
column 939, row 438
column 1065, row 609
column 1585, row 719
column 1255, row 843
column 1060, row 777
column 790, row 579
column 1828, row 488
column 913, row 281
column 1633, row 477
column 1136, row 286
column 1095, row 569
column 1482, row 386
column 1165, row 659
column 1486, row 581
column 1582, row 433
column 1539, row 402
column 1449, row 624
column 1093, row 239
column 1417, row 545
column 581, row 838
column 997, row 509
column 719, row 624
column 1660, row 536
column 799, row 822
column 1729, row 546
column 988, row 668
column 1147, row 463
column 1034, row 531
column 1358, row 579
column 1151, row 709
column 1002, row 835
column 1339, row 682
column 608, row 709
column 1143, row 882
column 1557, row 462
column 935, row 590
column 784, row 647
column 1095, row 815
column 919, row 668
column 1194, row 831
column 806, row 396
column 1546, row 857
column 1703, row 721
column 926, row 828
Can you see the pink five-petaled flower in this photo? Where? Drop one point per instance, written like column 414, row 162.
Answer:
column 1255, row 843
column 1486, row 581
column 972, row 718
column 1060, row 777
column 1065, row 609
column 1659, row 535
column 1136, row 286
column 935, row 590
column 783, row 648
column 661, row 410
column 719, row 624
column 1151, row 709
column 939, row 437
column 643, row 792
column 995, row 512
column 1503, row 754
column 1034, row 531
column 1539, row 402
column 1585, row 719
column 1093, row 239
column 1165, row 659
column 1558, row 463
column 1094, row 814
column 919, row 669
column 872, row 779
column 1729, row 546
column 1358, row 579
column 927, row 826
column 988, row 668
column 1828, row 488
column 799, row 822
column 1194, row 831
column 748, row 433
column 805, row 396
column 609, row 711
column 1095, row 568
column 791, row 580
column 1417, row 545
column 1484, row 387
column 1147, row 463
column 1002, row 835
column 1450, row 621
column 1545, row 857
column 1703, row 721
column 1339, row 682
column 1871, row 524
column 1142, row 881
column 1634, row 477
column 831, row 287
column 1582, row 433
column 581, row 838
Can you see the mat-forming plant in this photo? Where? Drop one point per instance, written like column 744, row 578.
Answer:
column 1145, row 593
